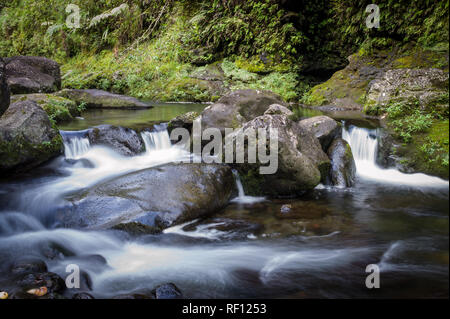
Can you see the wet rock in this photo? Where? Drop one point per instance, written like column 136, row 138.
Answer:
column 324, row 128
column 343, row 168
column 183, row 121
column 4, row 89
column 278, row 109
column 27, row 265
column 139, row 294
column 52, row 281
column 102, row 99
column 301, row 162
column 82, row 295
column 236, row 108
column 137, row 229
column 167, row 291
column 302, row 210
column 124, row 140
column 29, row 74
column 27, row 138
column 226, row 228
column 190, row 191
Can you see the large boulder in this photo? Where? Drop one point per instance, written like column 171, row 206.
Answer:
column 236, row 108
column 343, row 168
column 302, row 164
column 101, row 99
column 4, row 89
column 155, row 197
column 124, row 140
column 27, row 137
column 30, row 74
column 58, row 108
column 324, row 128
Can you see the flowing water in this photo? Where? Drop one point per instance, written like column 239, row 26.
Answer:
column 395, row 220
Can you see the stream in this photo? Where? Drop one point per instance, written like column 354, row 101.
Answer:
column 398, row 221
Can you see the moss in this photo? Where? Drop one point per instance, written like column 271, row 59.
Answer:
column 252, row 181
column 18, row 152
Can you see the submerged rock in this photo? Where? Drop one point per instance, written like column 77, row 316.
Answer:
column 30, row 74
column 27, row 265
column 4, row 89
column 167, row 291
column 27, row 138
column 124, row 140
column 343, row 168
column 159, row 196
column 303, row 210
column 236, row 108
column 301, row 162
column 102, row 99
column 324, row 128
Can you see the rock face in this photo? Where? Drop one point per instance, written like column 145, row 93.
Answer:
column 4, row 89
column 324, row 128
column 301, row 162
column 29, row 74
column 343, row 168
column 159, row 196
column 102, row 99
column 409, row 85
column 27, row 137
column 234, row 109
column 124, row 140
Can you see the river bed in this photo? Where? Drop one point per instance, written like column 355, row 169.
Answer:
column 397, row 221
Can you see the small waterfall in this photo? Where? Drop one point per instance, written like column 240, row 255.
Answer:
column 364, row 145
column 156, row 140
column 363, row 142
column 242, row 198
column 76, row 144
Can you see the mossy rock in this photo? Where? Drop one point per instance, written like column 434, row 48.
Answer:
column 58, row 108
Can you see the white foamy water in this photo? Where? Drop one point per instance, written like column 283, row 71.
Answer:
column 98, row 163
column 242, row 198
column 364, row 145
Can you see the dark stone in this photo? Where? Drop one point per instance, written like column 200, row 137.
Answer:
column 28, row 265
column 343, row 168
column 30, row 74
column 52, row 281
column 190, row 191
column 82, row 295
column 4, row 89
column 27, row 138
column 124, row 140
column 167, row 291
